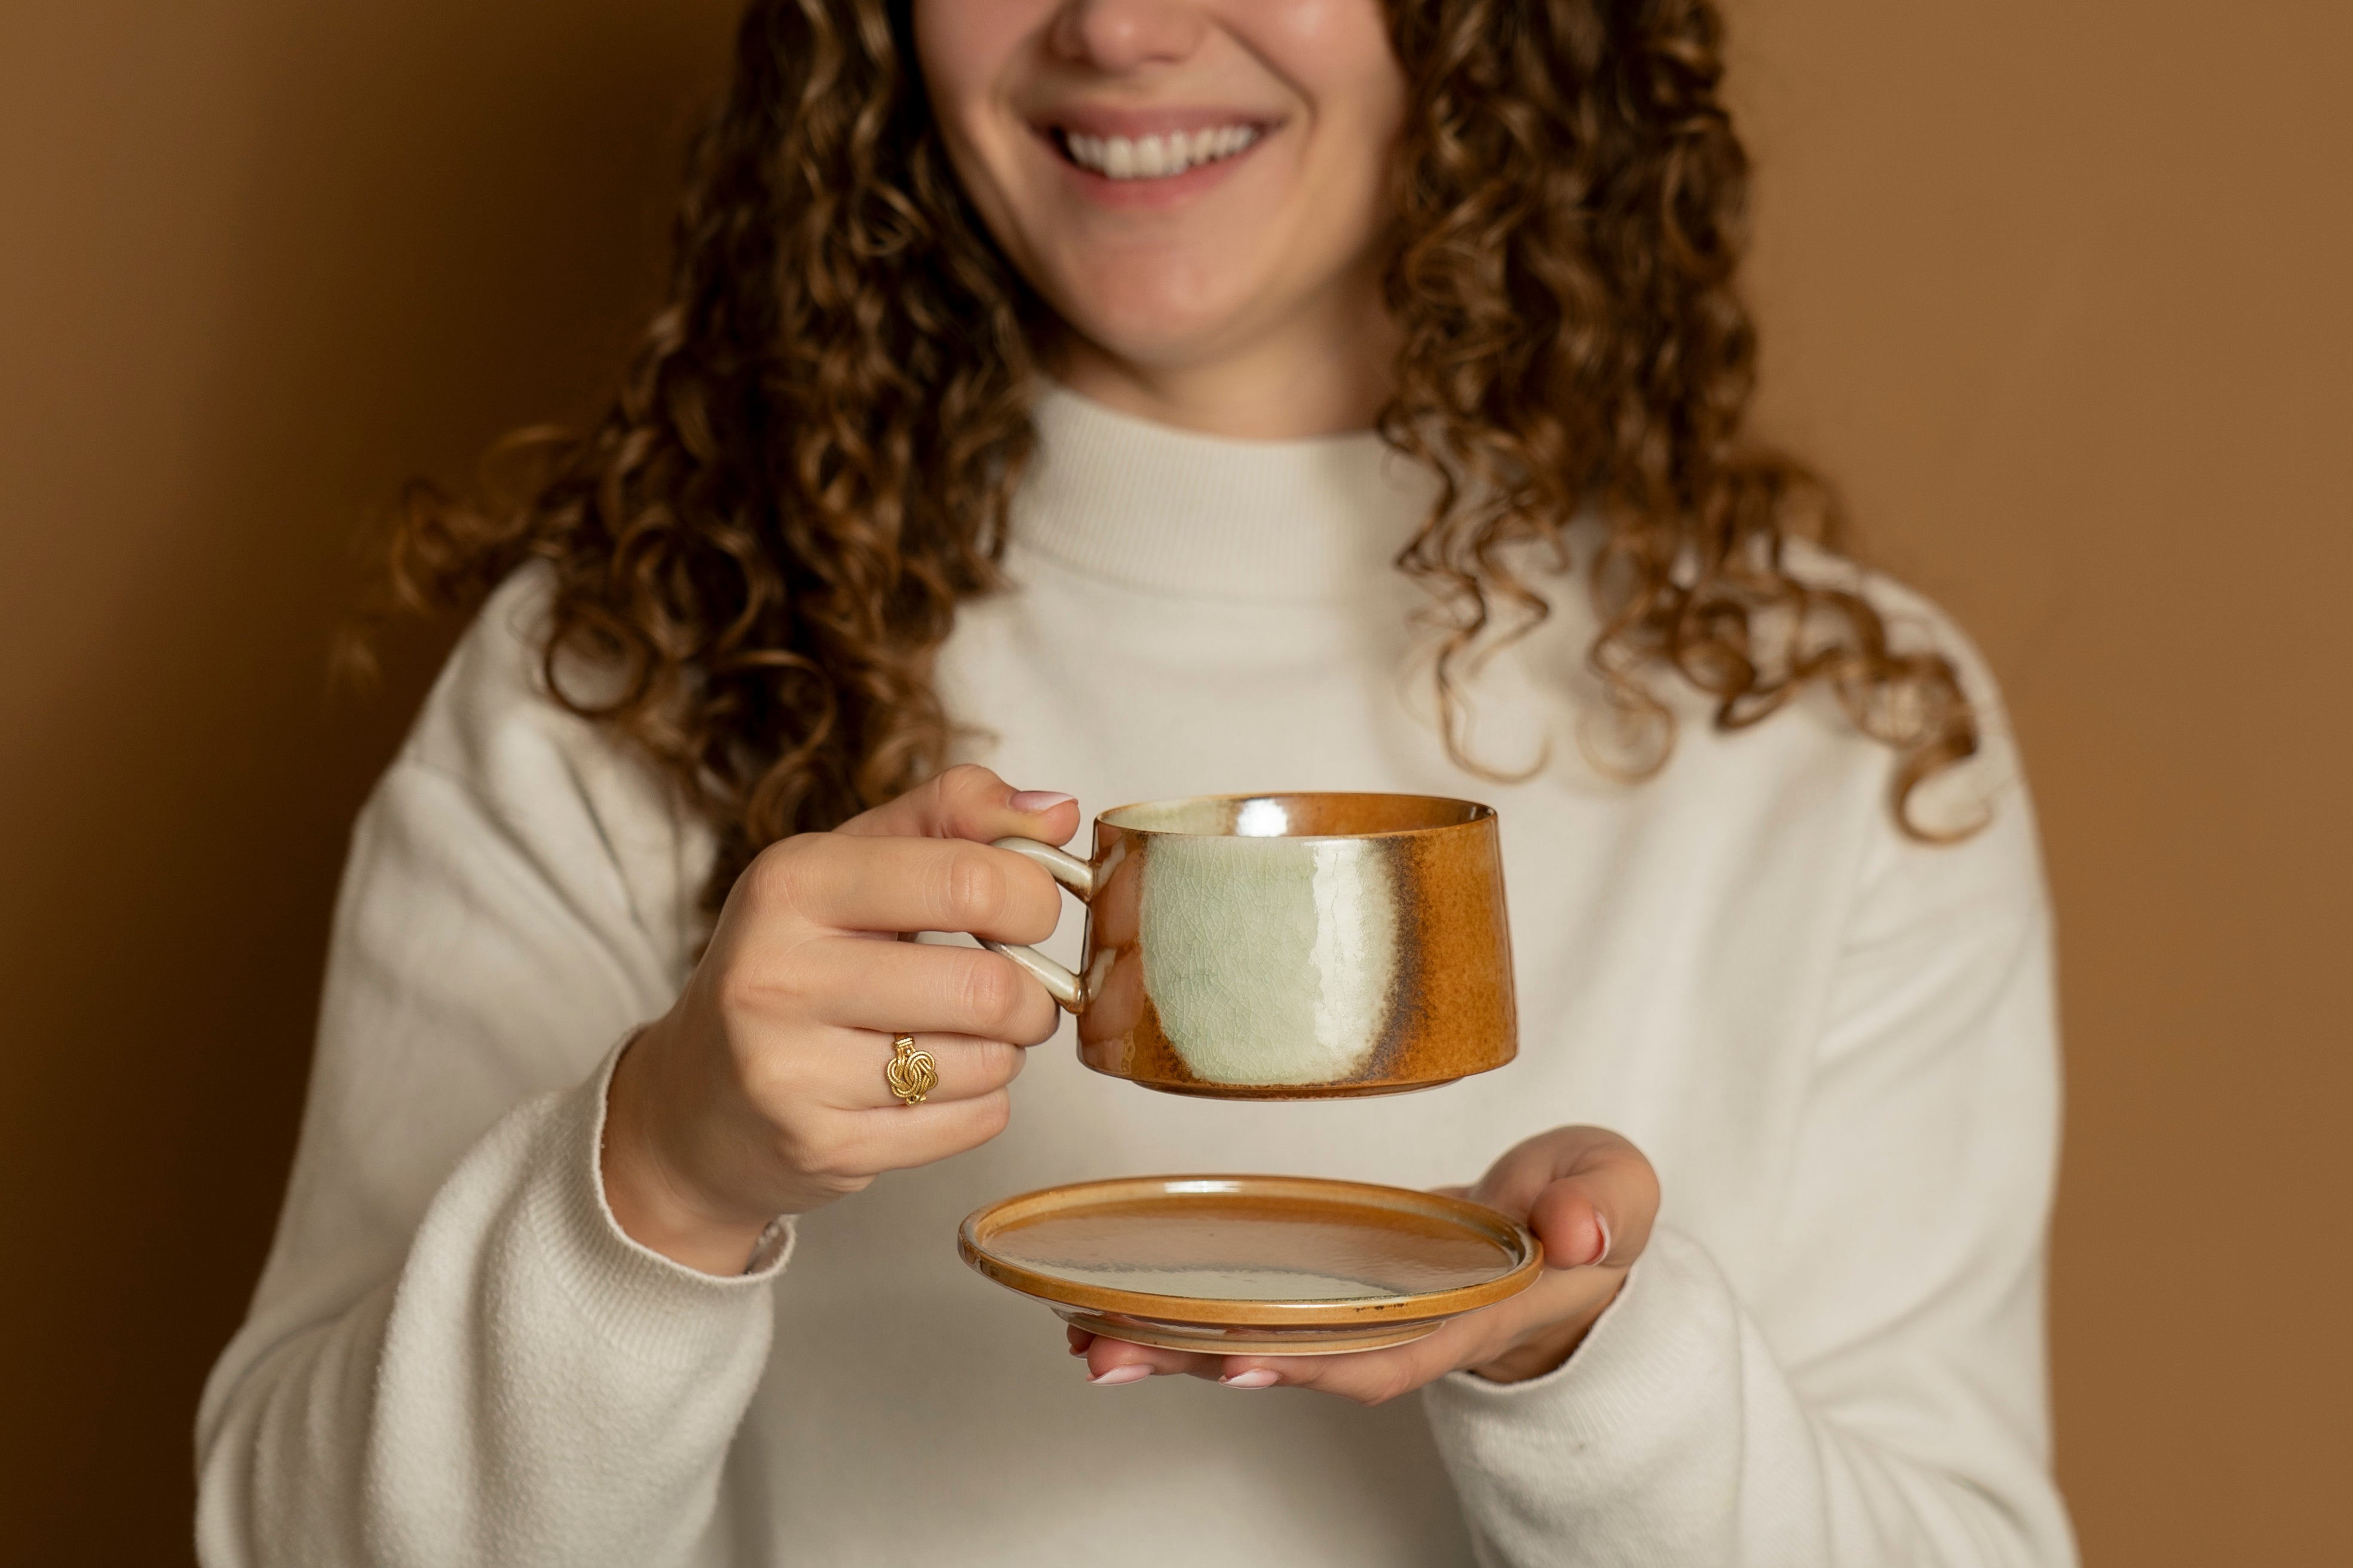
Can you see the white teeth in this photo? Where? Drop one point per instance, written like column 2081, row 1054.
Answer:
column 1160, row 156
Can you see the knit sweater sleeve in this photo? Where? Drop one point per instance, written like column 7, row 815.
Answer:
column 1876, row 1397
column 455, row 1355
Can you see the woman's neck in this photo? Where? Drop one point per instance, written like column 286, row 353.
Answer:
column 1311, row 377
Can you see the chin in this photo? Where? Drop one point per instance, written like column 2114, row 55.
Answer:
column 1157, row 345
column 1166, row 325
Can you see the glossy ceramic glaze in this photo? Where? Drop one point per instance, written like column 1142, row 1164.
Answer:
column 1289, row 946
column 1285, row 1265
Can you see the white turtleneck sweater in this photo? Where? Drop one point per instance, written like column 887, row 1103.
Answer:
column 1835, row 1044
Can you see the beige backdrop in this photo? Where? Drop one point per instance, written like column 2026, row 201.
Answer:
column 2056, row 287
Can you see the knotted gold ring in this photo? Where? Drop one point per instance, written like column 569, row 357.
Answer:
column 913, row 1074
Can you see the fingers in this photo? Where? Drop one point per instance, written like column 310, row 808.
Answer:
column 970, row 801
column 1114, row 1362
column 851, row 1148
column 847, row 1071
column 903, row 1137
column 1601, row 1217
column 902, row 884
column 823, row 1121
column 1505, row 1343
column 856, row 983
column 963, row 1067
column 1368, row 1377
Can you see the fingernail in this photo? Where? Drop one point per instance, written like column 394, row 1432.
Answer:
column 1259, row 1377
column 1602, row 1224
column 1038, row 802
column 1134, row 1371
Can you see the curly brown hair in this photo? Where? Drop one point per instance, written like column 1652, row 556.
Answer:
column 812, row 460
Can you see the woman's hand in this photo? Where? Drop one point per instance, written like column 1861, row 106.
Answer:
column 761, row 1093
column 1589, row 1195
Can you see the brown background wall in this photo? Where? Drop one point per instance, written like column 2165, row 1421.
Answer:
column 2055, row 286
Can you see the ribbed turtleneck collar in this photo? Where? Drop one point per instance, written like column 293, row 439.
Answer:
column 1170, row 512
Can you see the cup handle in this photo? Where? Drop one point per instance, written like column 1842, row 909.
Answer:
column 1079, row 877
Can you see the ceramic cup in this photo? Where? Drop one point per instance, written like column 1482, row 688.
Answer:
column 1287, row 946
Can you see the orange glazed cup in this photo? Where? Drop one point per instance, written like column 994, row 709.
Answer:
column 1288, row 946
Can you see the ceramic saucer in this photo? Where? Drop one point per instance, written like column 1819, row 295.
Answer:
column 1252, row 1265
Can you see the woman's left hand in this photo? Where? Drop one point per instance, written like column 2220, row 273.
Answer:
column 1589, row 1195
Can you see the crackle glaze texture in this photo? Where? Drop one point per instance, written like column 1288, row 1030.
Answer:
column 1297, row 945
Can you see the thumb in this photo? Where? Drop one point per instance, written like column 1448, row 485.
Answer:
column 1580, row 1227
column 971, row 802
column 1589, row 1195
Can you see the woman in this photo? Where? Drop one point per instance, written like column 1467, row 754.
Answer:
column 1146, row 398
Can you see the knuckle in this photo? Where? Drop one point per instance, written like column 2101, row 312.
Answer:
column 992, row 1114
column 833, row 1164
column 739, row 989
column 778, row 876
column 775, row 1081
column 966, row 782
column 842, row 1185
column 773, row 987
column 994, row 994
column 974, row 887
column 1038, row 1019
column 997, row 1113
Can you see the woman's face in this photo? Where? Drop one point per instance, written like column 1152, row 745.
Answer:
column 1186, row 182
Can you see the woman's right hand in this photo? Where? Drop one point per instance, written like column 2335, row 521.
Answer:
column 760, row 1092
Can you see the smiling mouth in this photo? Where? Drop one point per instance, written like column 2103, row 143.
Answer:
column 1157, row 157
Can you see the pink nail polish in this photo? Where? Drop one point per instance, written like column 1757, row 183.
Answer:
column 1258, row 1377
column 1037, row 802
column 1134, row 1371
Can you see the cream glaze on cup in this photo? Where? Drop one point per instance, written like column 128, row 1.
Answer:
column 1289, row 946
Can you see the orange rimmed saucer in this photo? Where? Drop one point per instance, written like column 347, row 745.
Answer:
column 1252, row 1265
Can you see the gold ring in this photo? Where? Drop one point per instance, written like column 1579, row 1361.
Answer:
column 913, row 1074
